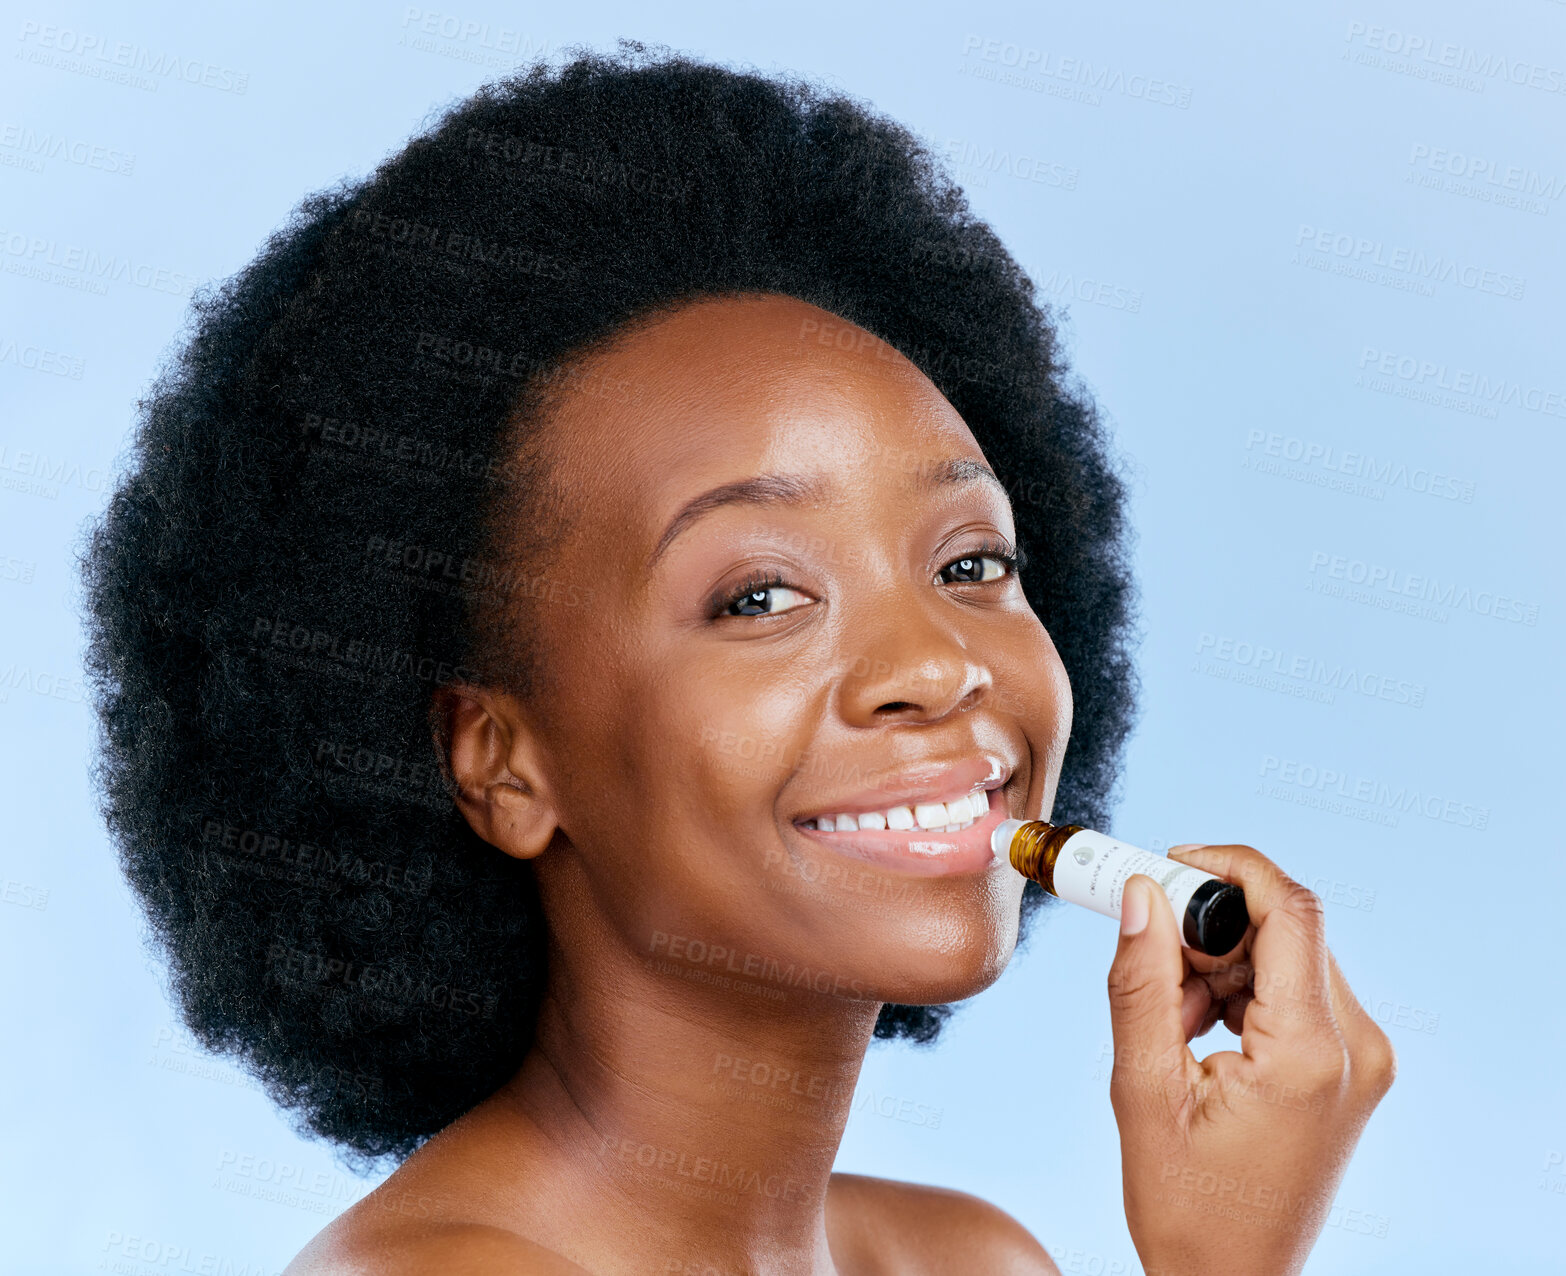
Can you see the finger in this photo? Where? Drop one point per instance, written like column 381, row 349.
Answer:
column 1146, row 994
column 1291, row 1010
column 1196, row 1006
column 1226, row 980
column 1371, row 1055
column 1206, row 962
column 1214, row 1014
column 1351, row 1016
column 1234, row 1012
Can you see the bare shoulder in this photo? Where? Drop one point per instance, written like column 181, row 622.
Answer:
column 446, row 1249
column 890, row 1225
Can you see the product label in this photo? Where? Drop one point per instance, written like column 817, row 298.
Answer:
column 1092, row 870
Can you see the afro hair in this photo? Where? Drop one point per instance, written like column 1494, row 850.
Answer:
column 296, row 555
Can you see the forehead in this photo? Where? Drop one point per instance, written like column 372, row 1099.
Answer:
column 724, row 388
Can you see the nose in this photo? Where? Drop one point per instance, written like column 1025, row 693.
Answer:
column 912, row 664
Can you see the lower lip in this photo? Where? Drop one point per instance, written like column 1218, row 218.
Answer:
column 920, row 852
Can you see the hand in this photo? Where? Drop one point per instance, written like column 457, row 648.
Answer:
column 1230, row 1164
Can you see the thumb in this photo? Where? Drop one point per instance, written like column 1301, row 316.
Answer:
column 1145, row 993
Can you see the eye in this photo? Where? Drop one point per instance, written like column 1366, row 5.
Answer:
column 975, row 564
column 753, row 596
column 758, row 595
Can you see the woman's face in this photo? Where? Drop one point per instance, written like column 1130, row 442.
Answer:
column 745, row 663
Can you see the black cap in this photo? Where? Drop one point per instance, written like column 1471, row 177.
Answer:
column 1215, row 919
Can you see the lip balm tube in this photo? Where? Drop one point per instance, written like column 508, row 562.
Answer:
column 1087, row 868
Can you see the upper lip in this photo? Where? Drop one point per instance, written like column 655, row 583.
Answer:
column 926, row 782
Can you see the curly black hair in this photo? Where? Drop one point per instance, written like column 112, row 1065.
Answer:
column 304, row 544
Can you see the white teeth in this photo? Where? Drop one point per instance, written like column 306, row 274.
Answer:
column 931, row 817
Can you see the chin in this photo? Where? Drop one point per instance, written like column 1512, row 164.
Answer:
column 946, row 960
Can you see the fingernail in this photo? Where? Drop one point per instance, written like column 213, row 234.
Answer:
column 1133, row 909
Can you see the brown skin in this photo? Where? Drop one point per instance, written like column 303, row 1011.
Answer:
column 653, row 784
column 1261, row 1135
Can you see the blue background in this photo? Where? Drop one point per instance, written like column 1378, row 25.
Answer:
column 1307, row 249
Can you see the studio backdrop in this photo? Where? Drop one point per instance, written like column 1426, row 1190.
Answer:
column 1310, row 261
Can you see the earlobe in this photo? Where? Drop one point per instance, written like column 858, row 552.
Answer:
column 477, row 738
column 522, row 824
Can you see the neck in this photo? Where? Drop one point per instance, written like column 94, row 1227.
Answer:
column 700, row 1117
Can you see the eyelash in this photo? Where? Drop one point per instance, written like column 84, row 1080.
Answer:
column 990, row 548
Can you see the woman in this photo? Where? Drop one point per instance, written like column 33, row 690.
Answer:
column 552, row 578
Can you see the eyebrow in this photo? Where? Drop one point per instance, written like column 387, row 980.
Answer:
column 803, row 489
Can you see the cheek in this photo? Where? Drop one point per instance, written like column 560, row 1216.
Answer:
column 689, row 750
column 700, row 762
column 744, row 735
column 1036, row 693
column 1061, row 705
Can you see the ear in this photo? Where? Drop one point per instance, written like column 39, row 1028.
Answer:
column 492, row 755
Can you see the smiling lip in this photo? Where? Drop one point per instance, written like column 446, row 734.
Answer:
column 930, row 783
column 920, row 852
